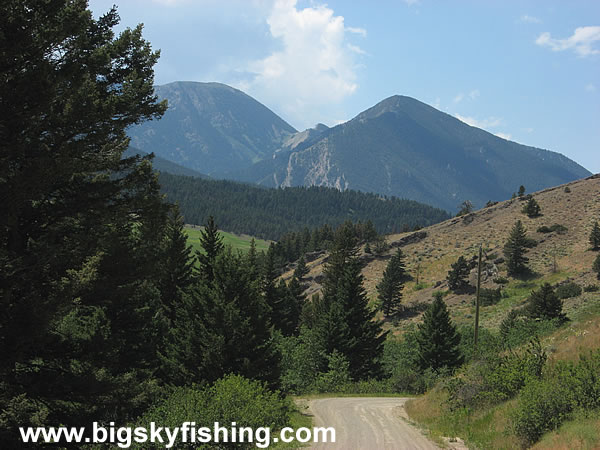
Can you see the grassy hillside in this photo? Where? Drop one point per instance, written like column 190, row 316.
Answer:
column 556, row 257
column 236, row 241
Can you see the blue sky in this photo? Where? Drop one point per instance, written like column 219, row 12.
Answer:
column 528, row 71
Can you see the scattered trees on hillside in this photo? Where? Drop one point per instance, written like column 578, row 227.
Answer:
column 390, row 288
column 531, row 208
column 438, row 338
column 515, row 248
column 458, row 275
column 595, row 236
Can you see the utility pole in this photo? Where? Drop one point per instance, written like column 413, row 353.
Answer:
column 477, row 299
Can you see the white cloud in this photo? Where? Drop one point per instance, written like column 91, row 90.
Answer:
column 525, row 18
column 356, row 30
column 590, row 87
column 581, row 41
column 503, row 136
column 490, row 122
column 314, row 68
column 474, row 94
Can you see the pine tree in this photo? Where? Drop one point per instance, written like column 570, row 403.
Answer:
column 82, row 227
column 521, row 192
column 390, row 287
column 178, row 269
column 458, row 275
column 343, row 320
column 301, row 270
column 595, row 236
column 211, row 242
column 438, row 338
column 545, row 304
column 515, row 248
column 531, row 208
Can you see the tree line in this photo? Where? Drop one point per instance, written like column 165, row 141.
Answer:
column 271, row 213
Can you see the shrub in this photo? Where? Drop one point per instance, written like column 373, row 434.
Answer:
column 591, row 288
column 567, row 189
column 489, row 297
column 568, row 290
column 556, row 228
column 230, row 399
column 543, row 405
column 500, row 280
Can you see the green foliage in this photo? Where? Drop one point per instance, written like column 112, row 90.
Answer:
column 271, row 213
column 212, row 244
column 532, row 208
column 568, row 290
column 390, row 288
column 83, row 229
column 500, row 280
column 545, row 404
column 438, row 339
column 521, row 192
column 518, row 328
column 343, row 319
column 545, row 304
column 495, row 377
column 591, row 288
column 301, row 270
column 595, row 236
column 230, row 399
column 458, row 275
column 337, row 375
column 514, row 250
column 556, row 228
column 488, row 297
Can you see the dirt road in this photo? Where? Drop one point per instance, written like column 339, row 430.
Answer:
column 367, row 423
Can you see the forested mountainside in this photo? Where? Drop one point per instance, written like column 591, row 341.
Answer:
column 269, row 213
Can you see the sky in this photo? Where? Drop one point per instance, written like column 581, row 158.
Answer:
column 528, row 71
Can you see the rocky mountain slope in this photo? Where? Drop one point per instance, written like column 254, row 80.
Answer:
column 211, row 127
column 405, row 148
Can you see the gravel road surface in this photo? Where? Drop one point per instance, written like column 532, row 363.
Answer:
column 367, row 423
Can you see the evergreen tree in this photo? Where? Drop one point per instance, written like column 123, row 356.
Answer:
column 458, row 275
column 343, row 320
column 515, row 248
column 596, row 266
column 211, row 242
column 224, row 327
column 465, row 207
column 82, row 227
column 438, row 338
column 545, row 304
column 521, row 192
column 178, row 269
column 390, row 287
column 301, row 270
column 531, row 208
column 595, row 236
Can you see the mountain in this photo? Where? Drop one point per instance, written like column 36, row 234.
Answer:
column 164, row 165
column 211, row 127
column 405, row 148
